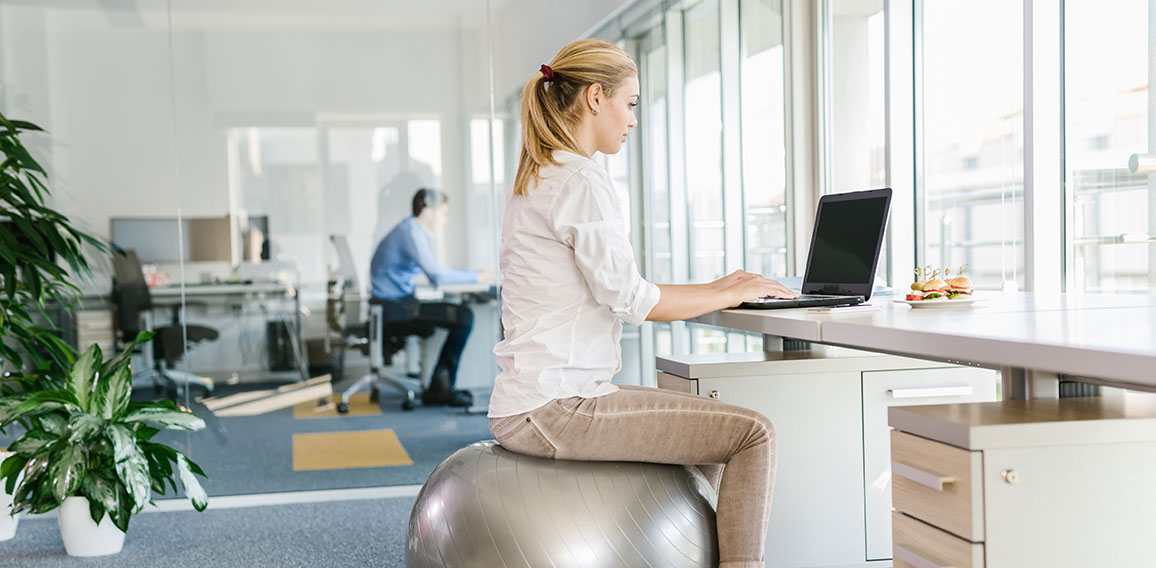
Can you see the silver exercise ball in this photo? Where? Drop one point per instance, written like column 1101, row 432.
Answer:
column 489, row 507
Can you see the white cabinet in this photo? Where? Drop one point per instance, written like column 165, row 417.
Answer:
column 884, row 389
column 829, row 407
column 1057, row 483
column 817, row 510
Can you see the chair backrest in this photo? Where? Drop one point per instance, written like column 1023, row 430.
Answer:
column 346, row 269
column 346, row 276
column 130, row 293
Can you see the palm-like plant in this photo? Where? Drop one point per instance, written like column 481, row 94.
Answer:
column 89, row 439
column 33, row 238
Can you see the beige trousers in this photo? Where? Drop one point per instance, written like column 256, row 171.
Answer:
column 734, row 447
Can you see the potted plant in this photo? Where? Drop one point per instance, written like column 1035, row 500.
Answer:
column 90, row 452
column 41, row 253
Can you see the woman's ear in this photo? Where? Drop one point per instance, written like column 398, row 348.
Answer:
column 594, row 97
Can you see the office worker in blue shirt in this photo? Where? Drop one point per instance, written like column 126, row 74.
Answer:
column 403, row 254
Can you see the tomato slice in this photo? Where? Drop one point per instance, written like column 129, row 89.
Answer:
column 914, row 297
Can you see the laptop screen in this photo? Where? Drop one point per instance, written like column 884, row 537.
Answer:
column 846, row 242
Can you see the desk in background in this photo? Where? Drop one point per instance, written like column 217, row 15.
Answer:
column 243, row 349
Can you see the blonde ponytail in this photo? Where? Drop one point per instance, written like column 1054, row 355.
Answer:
column 551, row 105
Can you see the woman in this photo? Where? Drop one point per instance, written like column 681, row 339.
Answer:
column 569, row 281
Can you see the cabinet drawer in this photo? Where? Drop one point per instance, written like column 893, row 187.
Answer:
column 919, row 545
column 939, row 484
column 668, row 381
column 905, row 387
column 96, row 321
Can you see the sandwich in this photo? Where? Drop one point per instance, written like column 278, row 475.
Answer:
column 934, row 289
column 959, row 288
column 915, row 294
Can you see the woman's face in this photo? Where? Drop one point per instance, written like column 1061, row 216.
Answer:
column 615, row 117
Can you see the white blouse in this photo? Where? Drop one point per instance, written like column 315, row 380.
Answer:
column 568, row 282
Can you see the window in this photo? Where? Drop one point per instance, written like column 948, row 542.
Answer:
column 1106, row 116
column 764, row 152
column 970, row 145
column 703, row 116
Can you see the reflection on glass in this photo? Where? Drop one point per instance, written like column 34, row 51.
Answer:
column 703, row 118
column 657, row 181
column 764, row 150
column 972, row 130
column 857, row 134
column 1107, row 119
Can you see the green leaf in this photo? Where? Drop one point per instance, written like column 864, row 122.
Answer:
column 95, row 510
column 83, row 375
column 10, row 471
column 55, row 424
column 67, row 471
column 192, row 487
column 83, row 427
column 123, row 513
column 100, row 486
column 33, row 443
column 8, row 407
column 131, row 465
column 145, row 433
column 39, row 398
column 169, row 419
column 125, row 356
column 113, row 391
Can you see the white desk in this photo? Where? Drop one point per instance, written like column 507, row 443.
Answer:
column 1105, row 339
column 223, row 360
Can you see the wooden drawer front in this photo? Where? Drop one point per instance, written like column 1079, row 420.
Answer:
column 676, row 383
column 918, row 465
column 94, row 321
column 920, row 545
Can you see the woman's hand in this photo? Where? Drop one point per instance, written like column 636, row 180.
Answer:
column 731, row 279
column 749, row 287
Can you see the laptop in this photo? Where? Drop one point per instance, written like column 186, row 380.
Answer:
column 844, row 251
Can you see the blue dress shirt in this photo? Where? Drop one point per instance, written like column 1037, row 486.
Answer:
column 404, row 253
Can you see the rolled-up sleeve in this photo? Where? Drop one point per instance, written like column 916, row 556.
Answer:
column 587, row 217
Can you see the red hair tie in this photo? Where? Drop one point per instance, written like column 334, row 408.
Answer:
column 548, row 72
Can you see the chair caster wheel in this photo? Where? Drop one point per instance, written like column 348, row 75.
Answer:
column 374, row 396
column 342, row 408
column 407, row 405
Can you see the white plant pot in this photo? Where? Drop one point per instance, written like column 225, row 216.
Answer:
column 81, row 536
column 8, row 522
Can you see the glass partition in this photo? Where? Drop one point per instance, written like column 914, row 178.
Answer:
column 252, row 157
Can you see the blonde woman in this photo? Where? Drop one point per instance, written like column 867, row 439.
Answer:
column 570, row 281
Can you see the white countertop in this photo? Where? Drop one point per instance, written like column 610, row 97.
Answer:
column 1107, row 337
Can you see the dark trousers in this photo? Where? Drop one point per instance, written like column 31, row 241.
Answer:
column 455, row 318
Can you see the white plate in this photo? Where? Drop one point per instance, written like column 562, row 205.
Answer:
column 944, row 304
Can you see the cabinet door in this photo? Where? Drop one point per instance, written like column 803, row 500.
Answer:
column 883, row 389
column 817, row 511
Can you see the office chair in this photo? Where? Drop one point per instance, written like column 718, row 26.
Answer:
column 378, row 338
column 133, row 305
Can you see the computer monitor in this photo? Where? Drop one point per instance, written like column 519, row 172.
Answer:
column 167, row 239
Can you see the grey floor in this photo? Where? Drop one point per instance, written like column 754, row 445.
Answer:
column 246, row 455
column 343, row 533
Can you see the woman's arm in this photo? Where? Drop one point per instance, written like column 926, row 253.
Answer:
column 685, row 301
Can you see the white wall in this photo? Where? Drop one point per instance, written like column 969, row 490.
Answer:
column 527, row 33
column 137, row 133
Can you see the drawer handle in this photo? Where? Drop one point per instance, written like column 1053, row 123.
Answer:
column 965, row 390
column 932, row 480
column 915, row 559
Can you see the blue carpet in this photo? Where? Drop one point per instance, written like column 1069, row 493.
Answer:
column 343, row 533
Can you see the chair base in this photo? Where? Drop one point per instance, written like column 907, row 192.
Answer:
column 409, row 387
